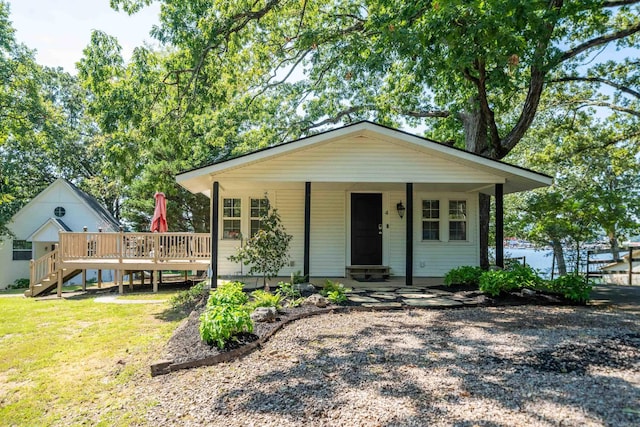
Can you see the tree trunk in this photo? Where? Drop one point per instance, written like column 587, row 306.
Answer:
column 615, row 246
column 484, row 206
column 475, row 133
column 558, row 254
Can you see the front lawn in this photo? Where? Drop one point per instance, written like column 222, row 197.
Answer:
column 71, row 361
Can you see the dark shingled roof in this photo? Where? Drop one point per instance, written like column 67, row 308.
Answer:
column 95, row 205
column 64, row 226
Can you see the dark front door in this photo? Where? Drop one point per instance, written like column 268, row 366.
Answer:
column 366, row 229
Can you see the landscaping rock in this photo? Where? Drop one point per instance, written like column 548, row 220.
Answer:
column 264, row 314
column 304, row 288
column 317, row 300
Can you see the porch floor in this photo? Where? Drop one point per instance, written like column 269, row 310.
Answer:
column 253, row 282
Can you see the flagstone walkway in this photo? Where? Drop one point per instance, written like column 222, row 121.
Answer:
column 414, row 296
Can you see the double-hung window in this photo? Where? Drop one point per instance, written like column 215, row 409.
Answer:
column 431, row 220
column 259, row 209
column 457, row 220
column 21, row 250
column 231, row 214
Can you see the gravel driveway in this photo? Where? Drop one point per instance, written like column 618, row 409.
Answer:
column 505, row 366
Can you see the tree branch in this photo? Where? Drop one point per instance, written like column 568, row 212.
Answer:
column 534, row 93
column 598, row 41
column 611, row 83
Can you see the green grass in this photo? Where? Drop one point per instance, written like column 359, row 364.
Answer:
column 70, row 361
column 12, row 291
column 160, row 295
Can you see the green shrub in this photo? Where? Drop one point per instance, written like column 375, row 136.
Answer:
column 516, row 276
column 524, row 276
column 228, row 293
column 335, row 292
column 226, row 315
column 298, row 277
column 465, row 275
column 572, row 286
column 219, row 323
column 19, row 284
column 265, row 299
column 288, row 290
column 494, row 282
column 188, row 299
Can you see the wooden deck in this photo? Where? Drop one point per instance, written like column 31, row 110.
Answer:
column 121, row 252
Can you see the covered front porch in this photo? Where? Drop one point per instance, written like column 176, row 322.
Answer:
column 361, row 195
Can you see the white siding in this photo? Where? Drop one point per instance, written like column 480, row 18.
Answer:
column 290, row 205
column 435, row 258
column 328, row 233
column 396, row 234
column 359, row 159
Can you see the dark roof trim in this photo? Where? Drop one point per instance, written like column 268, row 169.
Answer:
column 61, row 224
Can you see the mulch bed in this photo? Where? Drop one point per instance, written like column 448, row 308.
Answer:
column 185, row 349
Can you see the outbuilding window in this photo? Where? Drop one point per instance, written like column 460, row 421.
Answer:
column 21, row 250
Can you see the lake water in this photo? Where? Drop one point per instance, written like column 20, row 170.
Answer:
column 542, row 259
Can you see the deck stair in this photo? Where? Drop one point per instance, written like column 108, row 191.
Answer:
column 45, row 273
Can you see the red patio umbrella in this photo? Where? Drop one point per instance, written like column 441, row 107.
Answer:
column 159, row 220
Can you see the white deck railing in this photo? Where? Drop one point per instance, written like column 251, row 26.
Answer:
column 43, row 267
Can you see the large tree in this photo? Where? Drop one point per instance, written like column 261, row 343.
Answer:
column 277, row 69
column 43, row 129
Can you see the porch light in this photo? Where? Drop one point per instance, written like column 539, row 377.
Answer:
column 401, row 209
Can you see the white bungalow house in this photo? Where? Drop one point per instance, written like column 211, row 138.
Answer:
column 360, row 195
column 60, row 207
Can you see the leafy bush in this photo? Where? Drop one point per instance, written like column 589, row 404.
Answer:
column 494, row 282
column 335, row 292
column 226, row 315
column 288, row 290
column 219, row 323
column 517, row 276
column 571, row 286
column 188, row 299
column 265, row 299
column 465, row 275
column 19, row 284
column 267, row 251
column 228, row 293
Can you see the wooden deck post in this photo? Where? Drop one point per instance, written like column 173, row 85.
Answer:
column 84, row 279
column 307, row 227
column 409, row 236
column 32, row 275
column 99, row 279
column 120, row 277
column 499, row 193
column 131, row 280
column 59, row 282
column 155, row 282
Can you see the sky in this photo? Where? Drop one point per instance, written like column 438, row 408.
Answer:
column 60, row 29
